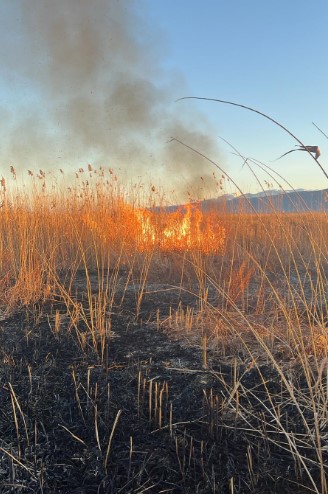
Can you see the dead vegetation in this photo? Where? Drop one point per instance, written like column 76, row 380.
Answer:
column 152, row 351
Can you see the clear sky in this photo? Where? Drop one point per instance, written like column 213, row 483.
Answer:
column 271, row 56
column 98, row 81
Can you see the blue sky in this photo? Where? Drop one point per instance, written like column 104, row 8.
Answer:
column 98, row 81
column 271, row 56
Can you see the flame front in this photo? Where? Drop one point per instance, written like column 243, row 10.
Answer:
column 183, row 230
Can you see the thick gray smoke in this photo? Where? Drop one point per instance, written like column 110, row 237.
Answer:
column 85, row 77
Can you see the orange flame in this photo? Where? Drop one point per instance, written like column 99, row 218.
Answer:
column 186, row 229
column 183, row 230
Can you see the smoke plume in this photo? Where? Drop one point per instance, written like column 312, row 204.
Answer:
column 87, row 80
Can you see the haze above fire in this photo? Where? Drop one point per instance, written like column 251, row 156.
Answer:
column 91, row 70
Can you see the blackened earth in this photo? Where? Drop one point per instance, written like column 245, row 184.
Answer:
column 137, row 411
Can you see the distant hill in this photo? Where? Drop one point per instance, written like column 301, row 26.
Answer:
column 294, row 201
column 265, row 202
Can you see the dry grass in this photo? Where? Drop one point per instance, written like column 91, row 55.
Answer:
column 253, row 295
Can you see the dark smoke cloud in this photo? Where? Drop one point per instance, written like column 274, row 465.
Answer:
column 87, row 80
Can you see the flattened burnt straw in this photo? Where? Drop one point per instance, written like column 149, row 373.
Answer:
column 263, row 115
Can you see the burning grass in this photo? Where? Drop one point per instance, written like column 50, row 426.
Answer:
column 153, row 350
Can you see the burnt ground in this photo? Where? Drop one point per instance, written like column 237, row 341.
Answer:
column 139, row 414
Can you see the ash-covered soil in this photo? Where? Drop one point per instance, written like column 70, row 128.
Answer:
column 137, row 411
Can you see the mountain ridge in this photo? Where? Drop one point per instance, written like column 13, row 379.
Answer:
column 293, row 201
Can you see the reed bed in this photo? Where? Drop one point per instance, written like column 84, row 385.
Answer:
column 147, row 349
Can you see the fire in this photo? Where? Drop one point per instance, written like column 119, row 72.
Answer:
column 186, row 229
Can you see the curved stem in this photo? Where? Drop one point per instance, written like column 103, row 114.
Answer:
column 262, row 115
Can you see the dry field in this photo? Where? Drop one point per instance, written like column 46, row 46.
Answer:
column 143, row 350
